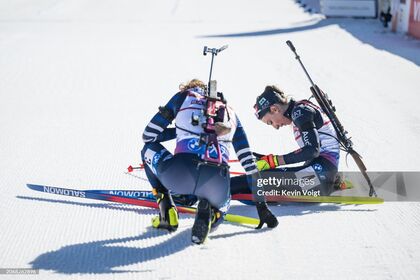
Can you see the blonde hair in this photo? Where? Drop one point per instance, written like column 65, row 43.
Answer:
column 192, row 84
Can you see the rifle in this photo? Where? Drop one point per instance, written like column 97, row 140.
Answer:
column 214, row 114
column 342, row 135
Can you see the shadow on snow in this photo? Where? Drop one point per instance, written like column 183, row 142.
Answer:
column 104, row 256
column 368, row 31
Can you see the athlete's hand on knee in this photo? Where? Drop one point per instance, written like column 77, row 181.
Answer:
column 267, row 162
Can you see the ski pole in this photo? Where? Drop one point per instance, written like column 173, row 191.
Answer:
column 141, row 166
column 131, row 168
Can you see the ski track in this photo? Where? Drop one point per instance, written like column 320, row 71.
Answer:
column 79, row 80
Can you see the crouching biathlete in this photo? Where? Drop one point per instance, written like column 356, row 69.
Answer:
column 319, row 149
column 204, row 129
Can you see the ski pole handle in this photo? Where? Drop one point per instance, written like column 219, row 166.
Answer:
column 290, row 44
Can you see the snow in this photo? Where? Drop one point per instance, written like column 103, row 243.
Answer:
column 79, row 80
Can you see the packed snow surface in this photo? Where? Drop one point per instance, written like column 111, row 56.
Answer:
column 80, row 79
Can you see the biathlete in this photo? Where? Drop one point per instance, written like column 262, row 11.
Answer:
column 203, row 130
column 319, row 150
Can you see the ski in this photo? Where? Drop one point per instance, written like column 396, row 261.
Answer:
column 143, row 194
column 315, row 199
column 145, row 202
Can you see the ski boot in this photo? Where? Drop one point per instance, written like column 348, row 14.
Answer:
column 217, row 217
column 168, row 216
column 341, row 183
column 202, row 223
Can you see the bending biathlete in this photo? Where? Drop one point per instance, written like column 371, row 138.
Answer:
column 319, row 150
column 199, row 165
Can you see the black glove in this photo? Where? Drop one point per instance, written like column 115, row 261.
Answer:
column 266, row 217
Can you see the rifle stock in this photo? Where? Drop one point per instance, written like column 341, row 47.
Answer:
column 363, row 169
